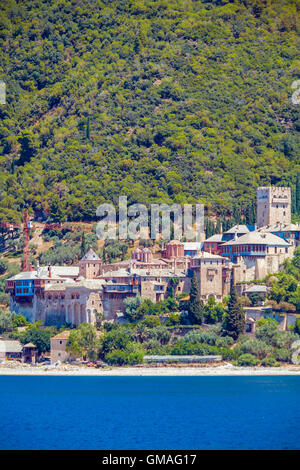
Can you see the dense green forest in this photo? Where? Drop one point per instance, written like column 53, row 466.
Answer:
column 162, row 101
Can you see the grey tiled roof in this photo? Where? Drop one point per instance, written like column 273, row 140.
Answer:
column 258, row 238
column 90, row 256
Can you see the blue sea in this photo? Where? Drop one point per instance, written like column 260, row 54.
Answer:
column 151, row 413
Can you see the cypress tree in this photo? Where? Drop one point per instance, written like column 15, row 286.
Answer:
column 234, row 322
column 88, row 129
column 298, row 194
column 195, row 306
column 83, row 245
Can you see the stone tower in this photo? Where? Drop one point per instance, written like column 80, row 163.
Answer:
column 90, row 265
column 273, row 205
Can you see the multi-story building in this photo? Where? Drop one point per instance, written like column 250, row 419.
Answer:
column 257, row 253
column 213, row 274
column 273, row 206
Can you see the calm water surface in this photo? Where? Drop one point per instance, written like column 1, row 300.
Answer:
column 150, row 412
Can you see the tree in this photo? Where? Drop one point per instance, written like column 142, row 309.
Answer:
column 234, row 321
column 88, row 129
column 3, row 266
column 39, row 337
column 83, row 245
column 83, row 342
column 298, row 194
column 6, row 322
column 132, row 311
column 256, row 299
column 213, row 311
column 28, row 147
column 195, row 305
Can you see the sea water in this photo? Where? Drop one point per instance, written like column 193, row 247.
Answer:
column 151, row 413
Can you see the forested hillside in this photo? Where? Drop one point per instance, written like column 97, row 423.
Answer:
column 167, row 100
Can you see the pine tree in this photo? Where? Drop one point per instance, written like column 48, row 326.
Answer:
column 195, row 306
column 234, row 322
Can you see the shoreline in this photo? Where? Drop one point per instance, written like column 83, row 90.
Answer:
column 168, row 371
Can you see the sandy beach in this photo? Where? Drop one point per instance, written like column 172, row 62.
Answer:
column 77, row 370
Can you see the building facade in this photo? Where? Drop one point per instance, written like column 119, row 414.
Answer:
column 273, row 205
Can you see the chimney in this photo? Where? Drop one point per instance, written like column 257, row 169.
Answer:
column 49, row 271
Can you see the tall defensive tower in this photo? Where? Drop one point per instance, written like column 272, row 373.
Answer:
column 273, row 205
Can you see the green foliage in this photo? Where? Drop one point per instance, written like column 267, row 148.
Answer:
column 256, row 299
column 282, row 355
column 114, row 249
column 68, row 247
column 247, row 360
column 6, row 322
column 83, row 342
column 270, row 361
column 133, row 354
column 150, row 321
column 255, row 347
column 195, row 304
column 117, row 338
column 3, row 266
column 266, row 329
column 213, row 311
column 19, row 320
column 297, row 327
column 283, row 339
column 285, row 289
column 234, row 321
column 174, row 319
column 168, row 101
column 39, row 337
column 132, row 304
column 161, row 334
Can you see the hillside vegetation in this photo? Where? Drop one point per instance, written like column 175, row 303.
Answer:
column 162, row 101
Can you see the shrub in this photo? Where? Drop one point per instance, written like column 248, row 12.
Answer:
column 174, row 319
column 224, row 342
column 116, row 357
column 267, row 330
column 151, row 321
column 283, row 339
column 161, row 333
column 132, row 305
column 283, row 355
column 270, row 361
column 4, row 299
column 229, row 354
column 247, row 360
column 133, row 354
column 152, row 345
column 115, row 339
column 206, row 337
column 3, row 266
column 255, row 347
column 6, row 322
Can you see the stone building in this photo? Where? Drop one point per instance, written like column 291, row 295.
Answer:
column 273, row 205
column 90, row 265
column 58, row 345
column 257, row 254
column 213, row 274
